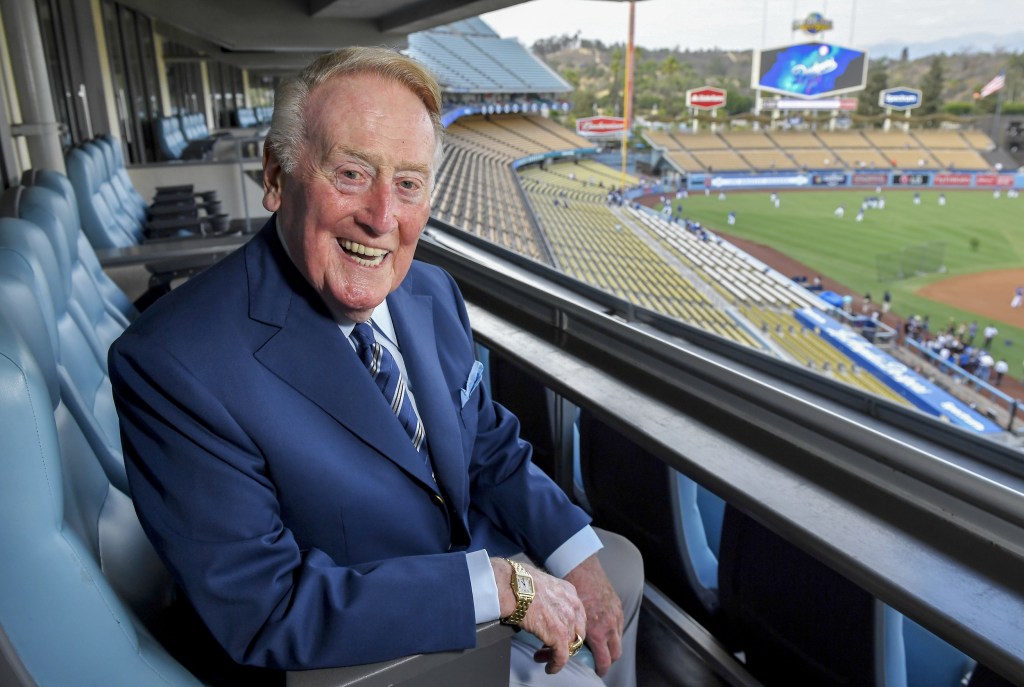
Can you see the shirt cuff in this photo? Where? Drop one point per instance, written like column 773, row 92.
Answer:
column 485, row 588
column 574, row 551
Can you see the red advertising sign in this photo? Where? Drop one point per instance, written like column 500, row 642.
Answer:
column 706, row 98
column 948, row 179
column 1000, row 180
column 600, row 126
column 873, row 179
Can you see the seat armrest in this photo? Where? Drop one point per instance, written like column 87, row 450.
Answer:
column 486, row 665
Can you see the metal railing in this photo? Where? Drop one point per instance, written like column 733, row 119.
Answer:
column 966, row 378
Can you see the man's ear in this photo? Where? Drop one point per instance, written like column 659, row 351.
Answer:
column 273, row 178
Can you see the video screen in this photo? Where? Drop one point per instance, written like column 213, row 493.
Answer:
column 811, row 70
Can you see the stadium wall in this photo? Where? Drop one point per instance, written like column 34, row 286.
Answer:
column 859, row 179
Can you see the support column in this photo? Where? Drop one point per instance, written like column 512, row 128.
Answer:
column 32, row 83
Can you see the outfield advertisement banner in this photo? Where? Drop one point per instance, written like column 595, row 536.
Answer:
column 829, row 179
column 895, row 374
column 994, row 180
column 910, row 179
column 952, row 179
column 872, row 179
column 758, row 181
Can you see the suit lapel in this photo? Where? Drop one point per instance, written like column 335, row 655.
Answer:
column 309, row 352
column 412, row 315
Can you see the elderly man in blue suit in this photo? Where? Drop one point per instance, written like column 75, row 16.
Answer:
column 307, row 439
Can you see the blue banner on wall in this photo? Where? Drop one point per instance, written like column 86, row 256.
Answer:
column 904, row 381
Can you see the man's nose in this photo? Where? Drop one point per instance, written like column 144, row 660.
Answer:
column 378, row 210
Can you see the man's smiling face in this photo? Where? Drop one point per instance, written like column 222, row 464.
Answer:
column 352, row 211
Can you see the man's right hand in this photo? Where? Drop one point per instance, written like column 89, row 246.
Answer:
column 555, row 616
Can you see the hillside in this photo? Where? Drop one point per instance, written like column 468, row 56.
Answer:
column 663, row 76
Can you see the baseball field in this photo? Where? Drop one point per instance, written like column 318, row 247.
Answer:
column 954, row 262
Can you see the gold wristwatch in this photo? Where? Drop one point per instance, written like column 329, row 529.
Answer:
column 522, row 589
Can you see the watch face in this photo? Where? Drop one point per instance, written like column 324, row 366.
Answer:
column 524, row 585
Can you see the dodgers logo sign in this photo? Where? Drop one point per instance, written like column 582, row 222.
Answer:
column 899, row 98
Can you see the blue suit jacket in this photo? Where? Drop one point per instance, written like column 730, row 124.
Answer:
column 283, row 492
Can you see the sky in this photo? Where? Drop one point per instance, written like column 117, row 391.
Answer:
column 746, row 24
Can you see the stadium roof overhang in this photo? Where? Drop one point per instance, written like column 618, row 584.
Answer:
column 281, row 35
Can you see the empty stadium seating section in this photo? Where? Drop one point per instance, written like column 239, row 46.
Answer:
column 759, row 151
column 558, row 213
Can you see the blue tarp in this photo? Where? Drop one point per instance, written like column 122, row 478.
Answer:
column 832, row 298
column 904, row 381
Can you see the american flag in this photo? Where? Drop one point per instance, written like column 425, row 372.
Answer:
column 994, row 85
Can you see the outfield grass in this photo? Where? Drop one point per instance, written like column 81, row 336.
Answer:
column 805, row 228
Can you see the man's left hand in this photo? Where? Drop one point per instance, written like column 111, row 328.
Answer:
column 604, row 612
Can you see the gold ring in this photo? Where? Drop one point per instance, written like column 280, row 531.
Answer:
column 574, row 647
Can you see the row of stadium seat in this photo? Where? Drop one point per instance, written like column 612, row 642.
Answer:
column 115, row 215
column 765, row 151
column 81, row 578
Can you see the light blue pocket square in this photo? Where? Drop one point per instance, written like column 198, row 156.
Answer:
column 472, row 382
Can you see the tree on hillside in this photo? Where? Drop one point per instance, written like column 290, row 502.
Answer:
column 616, row 66
column 553, row 44
column 670, row 67
column 878, row 81
column 931, row 87
column 1014, row 76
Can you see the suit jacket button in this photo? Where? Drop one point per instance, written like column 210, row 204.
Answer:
column 438, row 499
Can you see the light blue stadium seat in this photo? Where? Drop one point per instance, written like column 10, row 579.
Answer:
column 246, row 117
column 169, row 138
column 81, row 365
column 80, row 578
column 125, row 213
column 101, row 321
column 115, row 158
column 87, row 260
column 103, row 227
column 675, row 524
column 103, row 159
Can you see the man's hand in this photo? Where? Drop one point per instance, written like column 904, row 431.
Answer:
column 605, row 621
column 555, row 616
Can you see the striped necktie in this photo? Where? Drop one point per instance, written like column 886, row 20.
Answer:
column 385, row 372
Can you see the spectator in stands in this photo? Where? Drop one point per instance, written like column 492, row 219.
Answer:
column 865, row 303
column 972, row 331
column 310, row 523
column 1001, row 368
column 990, row 333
